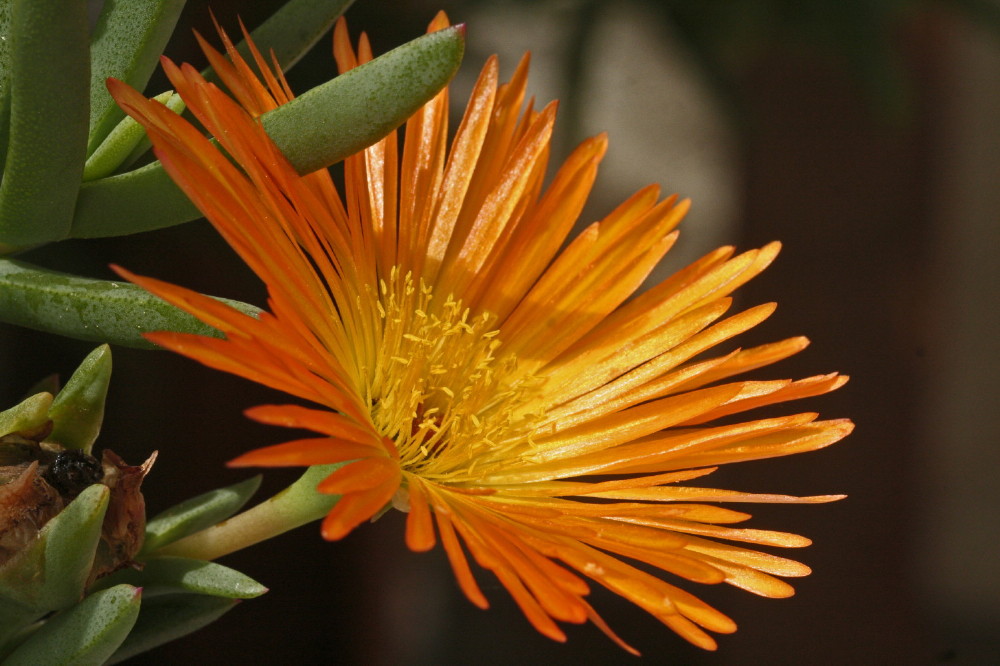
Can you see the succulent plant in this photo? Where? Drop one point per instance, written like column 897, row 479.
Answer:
column 80, row 577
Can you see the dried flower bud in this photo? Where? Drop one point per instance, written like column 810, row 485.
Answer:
column 26, row 504
column 38, row 479
column 125, row 521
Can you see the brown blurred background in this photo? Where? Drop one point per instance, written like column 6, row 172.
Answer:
column 865, row 135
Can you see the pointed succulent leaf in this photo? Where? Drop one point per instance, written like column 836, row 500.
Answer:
column 78, row 410
column 88, row 633
column 197, row 513
column 127, row 42
column 167, row 618
column 29, row 414
column 47, row 144
column 323, row 126
column 51, row 573
column 119, row 144
column 70, row 541
column 86, row 309
column 292, row 30
column 171, row 575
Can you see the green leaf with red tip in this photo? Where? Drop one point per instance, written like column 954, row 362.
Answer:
column 78, row 410
column 88, row 633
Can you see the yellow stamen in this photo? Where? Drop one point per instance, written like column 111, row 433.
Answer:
column 445, row 397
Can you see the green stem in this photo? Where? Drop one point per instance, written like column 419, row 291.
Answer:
column 293, row 507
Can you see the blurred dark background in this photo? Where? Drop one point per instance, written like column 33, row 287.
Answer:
column 864, row 135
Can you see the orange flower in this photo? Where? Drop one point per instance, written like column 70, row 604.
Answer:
column 503, row 392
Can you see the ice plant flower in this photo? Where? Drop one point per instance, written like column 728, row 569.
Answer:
column 466, row 369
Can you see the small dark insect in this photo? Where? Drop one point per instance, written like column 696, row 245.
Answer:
column 72, row 471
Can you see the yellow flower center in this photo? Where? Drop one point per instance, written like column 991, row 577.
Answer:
column 439, row 389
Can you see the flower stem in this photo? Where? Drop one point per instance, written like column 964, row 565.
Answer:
column 294, row 506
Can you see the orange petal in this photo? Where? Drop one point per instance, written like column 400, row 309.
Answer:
column 419, row 528
column 459, row 563
column 318, row 451
column 318, row 420
column 353, row 509
column 365, row 474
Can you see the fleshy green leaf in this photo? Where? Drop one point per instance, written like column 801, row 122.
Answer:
column 171, row 575
column 341, row 117
column 30, row 413
column 197, row 513
column 167, row 618
column 323, row 126
column 96, row 310
column 50, row 574
column 78, row 410
column 88, row 633
column 49, row 74
column 123, row 142
column 127, row 42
